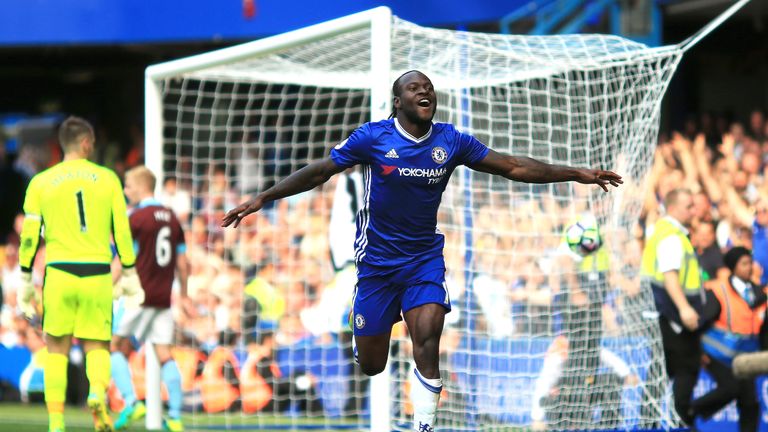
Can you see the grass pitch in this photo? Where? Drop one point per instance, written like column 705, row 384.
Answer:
column 16, row 417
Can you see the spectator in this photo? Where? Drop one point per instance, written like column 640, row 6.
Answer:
column 14, row 178
column 554, row 406
column 757, row 220
column 757, row 125
column 177, row 199
column 135, row 155
column 264, row 305
column 736, row 331
column 702, row 208
column 581, row 305
column 493, row 295
column 295, row 390
column 710, row 256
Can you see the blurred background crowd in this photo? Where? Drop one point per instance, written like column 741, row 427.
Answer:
column 276, row 276
column 285, row 277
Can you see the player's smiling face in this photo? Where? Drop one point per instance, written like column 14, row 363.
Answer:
column 417, row 100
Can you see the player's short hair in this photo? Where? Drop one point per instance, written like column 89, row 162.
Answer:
column 143, row 175
column 673, row 197
column 73, row 130
column 397, row 90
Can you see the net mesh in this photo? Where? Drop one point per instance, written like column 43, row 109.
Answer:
column 536, row 336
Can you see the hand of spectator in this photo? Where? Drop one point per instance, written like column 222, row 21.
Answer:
column 726, row 147
column 538, row 425
column 680, row 144
column 689, row 317
column 130, row 287
column 700, row 144
column 238, row 213
column 26, row 295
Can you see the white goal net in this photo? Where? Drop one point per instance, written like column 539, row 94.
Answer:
column 535, row 337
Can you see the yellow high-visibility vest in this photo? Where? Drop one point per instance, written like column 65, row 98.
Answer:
column 689, row 273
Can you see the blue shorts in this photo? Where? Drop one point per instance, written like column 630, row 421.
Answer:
column 382, row 293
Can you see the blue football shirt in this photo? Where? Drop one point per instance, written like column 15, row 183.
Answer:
column 760, row 249
column 404, row 179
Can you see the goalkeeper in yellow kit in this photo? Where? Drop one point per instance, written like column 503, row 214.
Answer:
column 77, row 206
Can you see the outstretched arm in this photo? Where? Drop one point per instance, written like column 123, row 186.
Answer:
column 307, row 178
column 525, row 169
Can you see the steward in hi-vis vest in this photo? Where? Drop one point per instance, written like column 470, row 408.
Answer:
column 670, row 266
column 689, row 273
column 736, row 331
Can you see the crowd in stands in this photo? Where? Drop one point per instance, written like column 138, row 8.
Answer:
column 273, row 282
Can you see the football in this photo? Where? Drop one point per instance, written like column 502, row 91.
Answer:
column 583, row 236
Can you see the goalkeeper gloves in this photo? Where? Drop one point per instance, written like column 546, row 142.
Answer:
column 26, row 295
column 130, row 288
column 117, row 289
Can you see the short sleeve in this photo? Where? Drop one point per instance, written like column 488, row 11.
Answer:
column 471, row 150
column 133, row 221
column 181, row 246
column 669, row 253
column 354, row 150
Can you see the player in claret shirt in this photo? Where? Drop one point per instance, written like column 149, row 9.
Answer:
column 407, row 161
column 160, row 255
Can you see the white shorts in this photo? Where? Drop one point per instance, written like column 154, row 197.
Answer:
column 147, row 324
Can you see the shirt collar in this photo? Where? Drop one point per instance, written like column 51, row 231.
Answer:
column 146, row 202
column 404, row 133
column 677, row 223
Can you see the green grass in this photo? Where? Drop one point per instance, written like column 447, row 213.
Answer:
column 15, row 417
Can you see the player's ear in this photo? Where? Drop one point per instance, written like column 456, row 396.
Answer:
column 86, row 145
column 396, row 102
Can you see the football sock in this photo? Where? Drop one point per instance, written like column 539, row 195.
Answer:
column 121, row 373
column 55, row 381
column 425, row 394
column 172, row 379
column 97, row 367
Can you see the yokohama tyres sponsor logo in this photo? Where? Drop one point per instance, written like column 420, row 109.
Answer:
column 421, row 172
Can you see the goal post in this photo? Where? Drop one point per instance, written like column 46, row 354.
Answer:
column 378, row 22
column 377, row 19
column 229, row 123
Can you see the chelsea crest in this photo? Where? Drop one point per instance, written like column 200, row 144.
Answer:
column 439, row 155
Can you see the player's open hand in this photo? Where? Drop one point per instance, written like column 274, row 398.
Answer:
column 599, row 177
column 238, row 213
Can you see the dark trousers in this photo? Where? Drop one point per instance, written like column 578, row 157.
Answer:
column 728, row 389
column 682, row 353
column 581, row 389
column 573, row 407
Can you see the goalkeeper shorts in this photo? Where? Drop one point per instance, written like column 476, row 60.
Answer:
column 77, row 304
column 382, row 293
